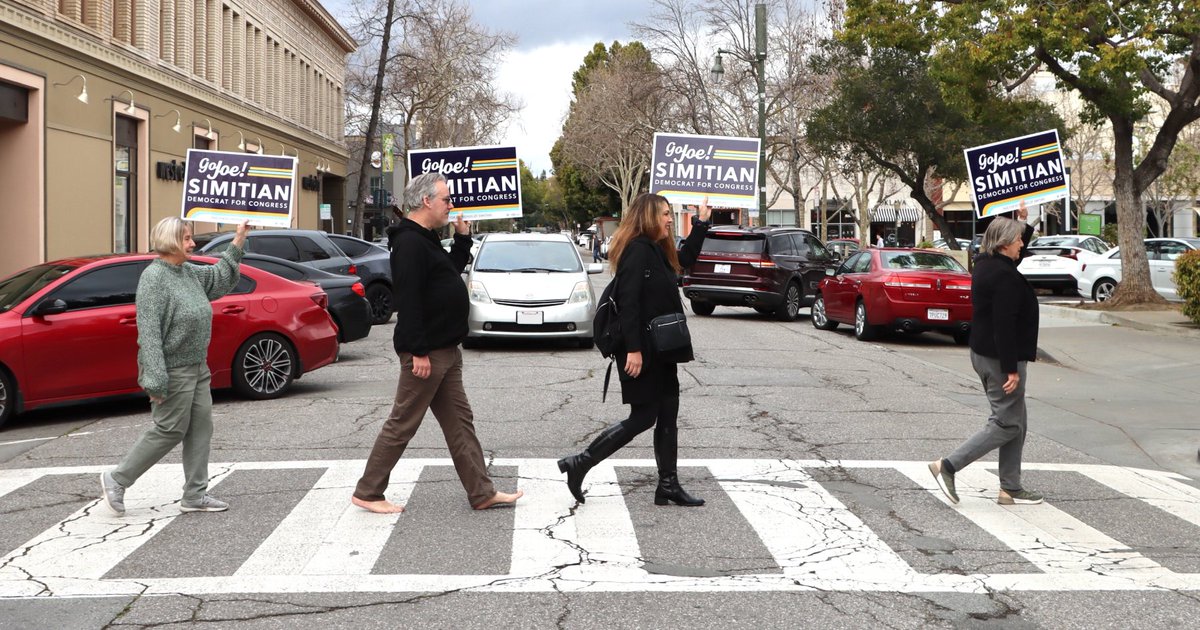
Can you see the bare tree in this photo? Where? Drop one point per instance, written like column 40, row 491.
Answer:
column 610, row 130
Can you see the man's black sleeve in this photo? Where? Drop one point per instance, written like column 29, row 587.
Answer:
column 460, row 251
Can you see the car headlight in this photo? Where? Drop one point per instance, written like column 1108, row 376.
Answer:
column 581, row 293
column 478, row 293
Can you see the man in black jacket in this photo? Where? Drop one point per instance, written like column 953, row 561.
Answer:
column 431, row 320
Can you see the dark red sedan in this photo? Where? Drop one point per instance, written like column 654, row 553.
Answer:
column 913, row 290
column 68, row 332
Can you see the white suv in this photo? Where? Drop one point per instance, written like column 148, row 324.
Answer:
column 1100, row 276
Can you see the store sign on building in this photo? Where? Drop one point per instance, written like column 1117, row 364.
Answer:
column 688, row 168
column 1005, row 173
column 171, row 171
column 226, row 187
column 484, row 182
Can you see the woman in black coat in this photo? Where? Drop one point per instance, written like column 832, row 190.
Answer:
column 1004, row 333
column 643, row 253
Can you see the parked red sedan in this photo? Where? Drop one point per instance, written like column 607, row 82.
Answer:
column 68, row 332
column 913, row 290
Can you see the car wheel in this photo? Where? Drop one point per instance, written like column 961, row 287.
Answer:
column 790, row 309
column 962, row 337
column 1103, row 289
column 380, row 298
column 8, row 398
column 264, row 367
column 586, row 343
column 703, row 308
column 862, row 330
column 820, row 319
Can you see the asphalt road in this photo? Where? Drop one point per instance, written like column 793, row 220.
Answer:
column 807, row 444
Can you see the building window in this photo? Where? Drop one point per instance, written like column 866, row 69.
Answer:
column 125, row 161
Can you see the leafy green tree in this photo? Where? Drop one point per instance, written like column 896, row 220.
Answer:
column 887, row 108
column 1132, row 62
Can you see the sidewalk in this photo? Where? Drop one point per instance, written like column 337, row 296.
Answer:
column 1170, row 322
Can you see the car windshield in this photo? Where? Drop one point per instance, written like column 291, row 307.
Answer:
column 734, row 243
column 918, row 261
column 15, row 288
column 528, row 257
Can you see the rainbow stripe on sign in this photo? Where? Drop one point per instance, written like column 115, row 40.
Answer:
column 274, row 173
column 491, row 165
column 997, row 207
column 714, row 199
column 729, row 154
column 1033, row 152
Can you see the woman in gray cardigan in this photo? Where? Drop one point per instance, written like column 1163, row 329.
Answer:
column 174, row 321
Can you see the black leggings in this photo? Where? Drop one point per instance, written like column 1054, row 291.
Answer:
column 643, row 416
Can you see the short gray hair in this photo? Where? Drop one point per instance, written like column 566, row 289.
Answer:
column 1000, row 233
column 167, row 236
column 422, row 186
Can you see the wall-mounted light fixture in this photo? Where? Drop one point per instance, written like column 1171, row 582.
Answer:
column 130, row 108
column 209, row 133
column 83, row 97
column 241, row 141
column 174, row 127
column 259, row 145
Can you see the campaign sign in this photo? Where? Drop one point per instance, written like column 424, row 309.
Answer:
column 226, row 187
column 687, row 168
column 1003, row 174
column 484, row 182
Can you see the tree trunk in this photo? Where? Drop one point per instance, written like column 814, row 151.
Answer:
column 1136, row 286
column 373, row 124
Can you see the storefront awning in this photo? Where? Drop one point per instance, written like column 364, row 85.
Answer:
column 890, row 213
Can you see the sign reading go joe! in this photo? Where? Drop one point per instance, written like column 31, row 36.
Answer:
column 225, row 187
column 1003, row 174
column 484, row 182
column 687, row 168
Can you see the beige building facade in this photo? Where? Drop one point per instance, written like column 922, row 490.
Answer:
column 101, row 99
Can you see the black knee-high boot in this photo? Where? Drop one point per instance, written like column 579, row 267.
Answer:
column 666, row 453
column 605, row 444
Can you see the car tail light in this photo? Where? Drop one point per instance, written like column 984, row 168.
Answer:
column 907, row 285
column 765, row 263
column 1073, row 255
column 958, row 287
column 354, row 270
column 321, row 299
column 358, row 289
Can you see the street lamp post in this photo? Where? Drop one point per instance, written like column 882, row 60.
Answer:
column 759, row 62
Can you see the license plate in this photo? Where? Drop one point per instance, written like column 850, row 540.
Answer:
column 938, row 314
column 719, row 268
column 533, row 318
column 1044, row 263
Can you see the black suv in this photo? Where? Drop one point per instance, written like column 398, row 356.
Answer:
column 774, row 270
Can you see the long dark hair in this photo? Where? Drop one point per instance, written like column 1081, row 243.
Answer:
column 642, row 219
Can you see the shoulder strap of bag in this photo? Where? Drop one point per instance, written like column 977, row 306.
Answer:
column 607, row 376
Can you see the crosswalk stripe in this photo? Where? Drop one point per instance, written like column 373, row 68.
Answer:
column 353, row 544
column 824, row 543
column 1049, row 538
column 326, row 545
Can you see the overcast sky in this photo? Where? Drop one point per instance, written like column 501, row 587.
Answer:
column 552, row 38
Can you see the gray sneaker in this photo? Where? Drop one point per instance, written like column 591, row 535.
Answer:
column 206, row 504
column 1019, row 497
column 945, row 480
column 112, row 493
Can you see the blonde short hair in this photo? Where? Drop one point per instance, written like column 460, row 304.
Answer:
column 167, row 236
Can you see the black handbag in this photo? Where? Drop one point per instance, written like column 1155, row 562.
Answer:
column 670, row 338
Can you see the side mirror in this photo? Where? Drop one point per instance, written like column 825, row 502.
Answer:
column 49, row 307
column 830, row 271
column 594, row 268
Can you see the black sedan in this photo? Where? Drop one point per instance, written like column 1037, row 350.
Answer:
column 374, row 265
column 347, row 299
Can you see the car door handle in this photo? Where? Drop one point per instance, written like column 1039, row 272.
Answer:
column 127, row 320
column 230, row 310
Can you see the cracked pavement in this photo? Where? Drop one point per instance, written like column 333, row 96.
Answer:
column 760, row 390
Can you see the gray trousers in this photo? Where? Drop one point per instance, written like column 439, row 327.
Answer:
column 185, row 415
column 1005, row 428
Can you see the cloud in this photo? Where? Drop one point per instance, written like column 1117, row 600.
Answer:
column 540, row 23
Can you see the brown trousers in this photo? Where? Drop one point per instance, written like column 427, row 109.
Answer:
column 444, row 394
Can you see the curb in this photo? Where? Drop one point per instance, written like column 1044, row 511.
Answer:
column 1119, row 319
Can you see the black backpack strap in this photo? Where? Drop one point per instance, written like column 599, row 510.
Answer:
column 607, row 376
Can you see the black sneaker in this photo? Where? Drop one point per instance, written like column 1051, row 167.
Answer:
column 944, row 479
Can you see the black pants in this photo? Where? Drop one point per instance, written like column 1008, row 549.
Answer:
column 643, row 416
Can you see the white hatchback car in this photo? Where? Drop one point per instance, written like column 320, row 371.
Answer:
column 1100, row 276
column 530, row 286
column 1056, row 261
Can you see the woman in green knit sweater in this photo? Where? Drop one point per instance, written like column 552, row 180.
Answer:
column 174, row 321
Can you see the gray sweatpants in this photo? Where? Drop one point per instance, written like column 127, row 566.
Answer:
column 1005, row 428
column 185, row 415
